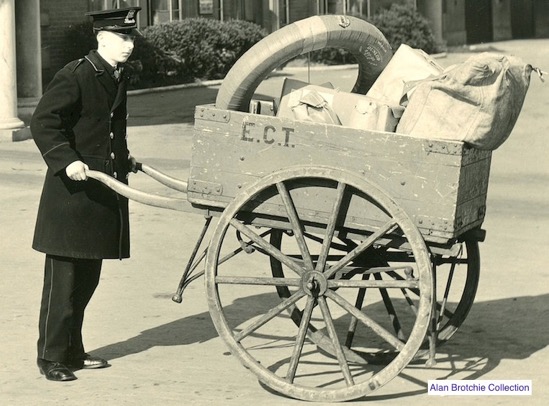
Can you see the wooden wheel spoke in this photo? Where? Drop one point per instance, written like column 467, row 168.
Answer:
column 409, row 300
column 330, row 229
column 337, row 246
column 367, row 321
column 440, row 307
column 405, row 292
column 354, row 321
column 335, row 341
column 269, row 248
column 251, row 280
column 398, row 277
column 269, row 315
column 296, row 225
column 378, row 284
column 386, row 228
column 300, row 339
column 390, row 310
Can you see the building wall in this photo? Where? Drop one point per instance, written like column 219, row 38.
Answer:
column 55, row 18
column 453, row 22
column 58, row 15
column 501, row 12
column 302, row 9
column 541, row 18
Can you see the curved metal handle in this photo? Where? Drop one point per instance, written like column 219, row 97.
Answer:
column 138, row 195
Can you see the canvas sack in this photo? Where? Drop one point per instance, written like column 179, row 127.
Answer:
column 477, row 102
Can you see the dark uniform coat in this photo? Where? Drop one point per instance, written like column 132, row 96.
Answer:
column 82, row 116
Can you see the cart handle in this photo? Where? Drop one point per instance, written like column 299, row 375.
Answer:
column 166, row 180
column 139, row 196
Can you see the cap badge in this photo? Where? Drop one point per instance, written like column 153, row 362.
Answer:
column 130, row 18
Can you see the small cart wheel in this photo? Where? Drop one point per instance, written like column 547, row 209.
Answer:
column 323, row 201
column 457, row 277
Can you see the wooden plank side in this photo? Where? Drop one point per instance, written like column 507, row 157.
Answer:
column 399, row 164
column 430, row 179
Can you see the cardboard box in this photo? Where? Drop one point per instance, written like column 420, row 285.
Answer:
column 407, row 66
column 367, row 113
column 265, row 107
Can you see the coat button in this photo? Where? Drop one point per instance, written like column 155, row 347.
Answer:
column 112, row 136
column 115, row 175
column 112, row 155
column 112, row 115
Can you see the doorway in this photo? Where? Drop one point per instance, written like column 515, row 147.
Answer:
column 478, row 21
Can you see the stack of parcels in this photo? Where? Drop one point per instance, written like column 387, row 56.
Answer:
column 325, row 104
column 476, row 102
column 379, row 110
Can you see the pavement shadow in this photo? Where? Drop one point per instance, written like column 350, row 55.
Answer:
column 511, row 328
column 197, row 328
column 170, row 106
column 496, row 330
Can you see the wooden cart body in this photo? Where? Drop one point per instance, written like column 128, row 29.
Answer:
column 442, row 185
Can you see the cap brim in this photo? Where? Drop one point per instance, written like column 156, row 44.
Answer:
column 126, row 31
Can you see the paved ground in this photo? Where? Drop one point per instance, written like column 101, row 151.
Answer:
column 164, row 353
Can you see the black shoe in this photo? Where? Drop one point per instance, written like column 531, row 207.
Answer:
column 88, row 362
column 55, row 371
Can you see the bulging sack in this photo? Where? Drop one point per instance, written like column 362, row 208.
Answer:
column 477, row 102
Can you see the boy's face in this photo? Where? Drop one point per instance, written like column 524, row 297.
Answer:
column 116, row 47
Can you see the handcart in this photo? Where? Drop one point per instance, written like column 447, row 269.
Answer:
column 358, row 249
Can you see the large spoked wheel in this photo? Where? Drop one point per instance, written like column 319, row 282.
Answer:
column 251, row 319
column 457, row 277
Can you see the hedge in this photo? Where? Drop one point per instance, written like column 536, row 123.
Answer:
column 201, row 49
column 400, row 24
column 177, row 52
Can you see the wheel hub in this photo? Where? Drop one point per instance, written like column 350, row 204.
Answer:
column 314, row 283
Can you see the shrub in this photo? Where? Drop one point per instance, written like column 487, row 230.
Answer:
column 176, row 52
column 403, row 25
column 400, row 24
column 79, row 39
column 207, row 48
column 332, row 56
column 148, row 66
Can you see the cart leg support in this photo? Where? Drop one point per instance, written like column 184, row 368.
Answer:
column 432, row 333
column 178, row 296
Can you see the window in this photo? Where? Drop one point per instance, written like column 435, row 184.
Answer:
column 163, row 11
column 327, row 6
column 351, row 7
column 205, row 7
column 283, row 12
column 97, row 5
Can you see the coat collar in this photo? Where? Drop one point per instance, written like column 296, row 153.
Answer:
column 103, row 73
column 98, row 63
